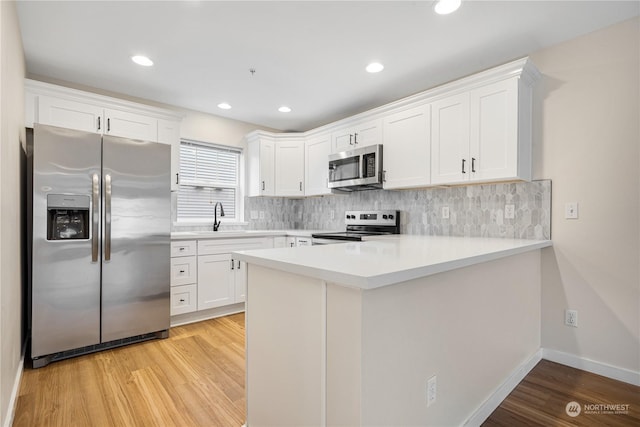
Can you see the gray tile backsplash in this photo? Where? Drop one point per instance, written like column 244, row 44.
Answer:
column 474, row 210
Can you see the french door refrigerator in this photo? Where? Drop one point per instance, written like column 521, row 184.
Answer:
column 100, row 219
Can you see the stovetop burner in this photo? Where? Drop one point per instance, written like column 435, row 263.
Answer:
column 365, row 223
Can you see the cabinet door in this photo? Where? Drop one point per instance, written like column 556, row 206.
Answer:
column 131, row 125
column 267, row 168
column 494, row 131
column 316, row 165
column 450, row 140
column 240, row 278
column 169, row 133
column 69, row 114
column 358, row 135
column 407, row 146
column 289, row 168
column 368, row 133
column 215, row 281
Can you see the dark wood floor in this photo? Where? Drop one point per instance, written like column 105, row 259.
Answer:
column 196, row 378
column 542, row 397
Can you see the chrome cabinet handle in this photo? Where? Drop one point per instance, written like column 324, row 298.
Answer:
column 473, row 164
column 107, row 217
column 181, row 271
column 350, row 139
column 463, row 161
column 98, row 123
column 262, row 185
column 300, row 185
column 177, row 178
column 238, row 265
column 232, row 265
column 95, row 216
column 108, row 125
column 355, row 138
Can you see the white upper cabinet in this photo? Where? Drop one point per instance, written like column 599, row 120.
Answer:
column 497, row 151
column 450, row 139
column 261, row 159
column 169, row 133
column 289, row 168
column 357, row 135
column 69, row 114
column 406, row 155
column 316, row 160
column 130, row 125
column 482, row 135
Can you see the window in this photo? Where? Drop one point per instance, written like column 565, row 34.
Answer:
column 208, row 174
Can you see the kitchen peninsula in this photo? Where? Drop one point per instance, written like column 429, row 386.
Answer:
column 350, row 334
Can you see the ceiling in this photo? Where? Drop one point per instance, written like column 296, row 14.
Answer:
column 310, row 56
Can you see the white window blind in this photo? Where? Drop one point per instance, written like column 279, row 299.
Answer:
column 208, row 174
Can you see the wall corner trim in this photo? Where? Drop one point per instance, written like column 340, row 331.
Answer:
column 8, row 421
column 486, row 409
column 598, row 368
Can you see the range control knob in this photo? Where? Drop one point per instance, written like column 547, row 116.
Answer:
column 390, row 216
column 384, row 217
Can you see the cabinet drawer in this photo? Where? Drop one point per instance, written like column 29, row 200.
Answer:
column 183, row 299
column 183, row 248
column 222, row 246
column 183, row 270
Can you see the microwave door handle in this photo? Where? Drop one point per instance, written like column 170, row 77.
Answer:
column 95, row 216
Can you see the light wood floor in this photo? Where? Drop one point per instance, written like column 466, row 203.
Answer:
column 196, row 378
column 193, row 378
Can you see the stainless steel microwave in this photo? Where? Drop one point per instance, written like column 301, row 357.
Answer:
column 357, row 169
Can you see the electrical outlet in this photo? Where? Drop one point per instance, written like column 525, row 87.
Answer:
column 431, row 391
column 445, row 212
column 333, row 214
column 261, row 214
column 571, row 210
column 509, row 211
column 254, row 214
column 571, row 318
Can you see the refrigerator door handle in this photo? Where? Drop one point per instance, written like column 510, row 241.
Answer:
column 107, row 217
column 95, row 216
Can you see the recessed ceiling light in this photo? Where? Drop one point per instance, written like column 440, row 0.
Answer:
column 445, row 7
column 142, row 60
column 224, row 106
column 284, row 109
column 375, row 67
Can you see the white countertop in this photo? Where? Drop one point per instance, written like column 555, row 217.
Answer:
column 233, row 234
column 387, row 260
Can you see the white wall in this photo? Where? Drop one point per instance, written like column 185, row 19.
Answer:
column 587, row 135
column 12, row 71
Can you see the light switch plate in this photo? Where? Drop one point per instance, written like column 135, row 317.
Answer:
column 445, row 212
column 509, row 211
column 571, row 210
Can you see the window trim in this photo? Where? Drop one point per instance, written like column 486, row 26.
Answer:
column 240, row 189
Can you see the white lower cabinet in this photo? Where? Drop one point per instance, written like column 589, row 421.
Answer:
column 215, row 281
column 184, row 277
column 184, row 299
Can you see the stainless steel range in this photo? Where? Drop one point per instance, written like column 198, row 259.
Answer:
column 362, row 223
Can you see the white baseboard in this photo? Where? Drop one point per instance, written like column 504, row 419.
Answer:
column 599, row 368
column 490, row 405
column 8, row 421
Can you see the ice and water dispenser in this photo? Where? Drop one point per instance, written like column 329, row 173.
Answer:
column 67, row 217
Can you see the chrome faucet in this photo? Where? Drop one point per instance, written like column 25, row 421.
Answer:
column 216, row 223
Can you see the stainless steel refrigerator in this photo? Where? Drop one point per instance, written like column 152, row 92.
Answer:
column 100, row 216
